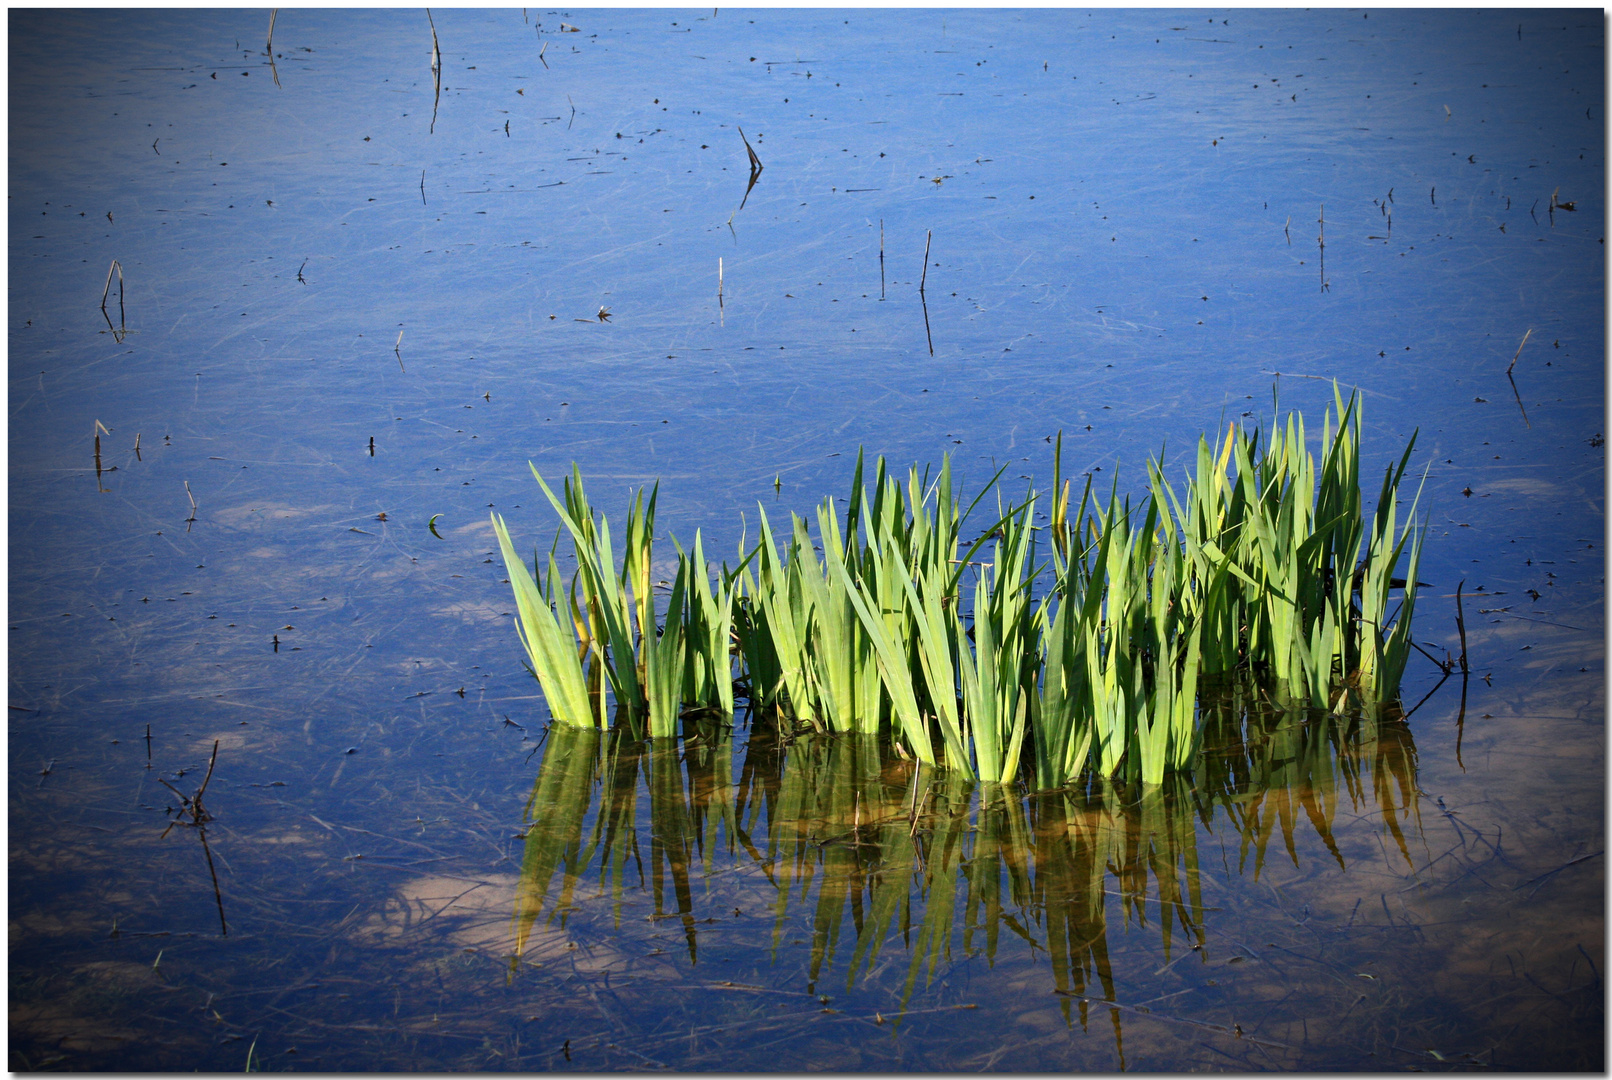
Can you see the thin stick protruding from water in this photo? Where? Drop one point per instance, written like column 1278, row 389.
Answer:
column 274, row 13
column 719, row 306
column 1519, row 351
column 1516, row 394
column 1321, row 239
column 99, row 427
column 121, row 329
column 192, row 499
column 755, row 168
column 436, row 70
column 197, row 801
column 1460, row 623
column 928, row 235
column 422, row 198
column 397, row 350
column 881, row 258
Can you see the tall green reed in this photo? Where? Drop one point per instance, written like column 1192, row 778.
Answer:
column 963, row 651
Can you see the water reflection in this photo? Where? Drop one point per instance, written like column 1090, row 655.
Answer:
column 582, row 823
column 902, row 870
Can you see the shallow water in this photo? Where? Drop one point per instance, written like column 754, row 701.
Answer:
column 1123, row 210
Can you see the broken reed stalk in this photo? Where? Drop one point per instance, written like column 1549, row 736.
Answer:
column 100, row 427
column 436, row 71
column 218, row 895
column 755, row 170
column 928, row 235
column 106, row 291
column 192, row 499
column 190, row 803
column 1460, row 624
column 1519, row 351
column 397, row 350
column 1321, row 240
column 928, row 337
column 881, row 258
column 755, row 162
column 269, row 47
column 1518, row 396
column 196, row 803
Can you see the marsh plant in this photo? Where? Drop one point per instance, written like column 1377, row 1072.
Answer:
column 978, row 640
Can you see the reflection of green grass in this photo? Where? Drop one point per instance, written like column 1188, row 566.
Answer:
column 1269, row 769
column 1265, row 565
column 879, row 854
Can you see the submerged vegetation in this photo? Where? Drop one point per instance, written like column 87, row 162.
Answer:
column 1042, row 651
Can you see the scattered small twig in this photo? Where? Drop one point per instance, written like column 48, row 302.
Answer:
column 1519, row 350
column 192, row 804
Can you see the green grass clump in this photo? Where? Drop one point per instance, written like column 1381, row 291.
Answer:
column 1081, row 649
